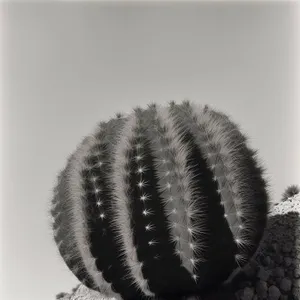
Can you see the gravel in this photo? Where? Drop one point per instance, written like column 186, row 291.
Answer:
column 274, row 272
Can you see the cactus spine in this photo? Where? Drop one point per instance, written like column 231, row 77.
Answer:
column 164, row 201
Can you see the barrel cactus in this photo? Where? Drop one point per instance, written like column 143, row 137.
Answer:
column 164, row 202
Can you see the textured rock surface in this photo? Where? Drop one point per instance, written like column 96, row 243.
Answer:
column 273, row 274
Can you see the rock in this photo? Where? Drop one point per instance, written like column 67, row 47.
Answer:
column 239, row 294
column 296, row 292
column 296, row 283
column 263, row 274
column 285, row 285
column 249, row 271
column 297, row 273
column 274, row 293
column 287, row 261
column 262, row 289
column 84, row 293
column 248, row 293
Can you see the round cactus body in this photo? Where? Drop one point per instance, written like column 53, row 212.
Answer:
column 162, row 202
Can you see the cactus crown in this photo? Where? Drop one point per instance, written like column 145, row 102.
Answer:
column 164, row 201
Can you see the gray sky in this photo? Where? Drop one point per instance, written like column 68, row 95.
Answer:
column 69, row 65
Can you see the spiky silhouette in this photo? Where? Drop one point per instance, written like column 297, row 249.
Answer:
column 167, row 200
column 290, row 192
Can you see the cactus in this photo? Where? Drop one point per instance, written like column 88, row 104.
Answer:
column 167, row 201
column 290, row 192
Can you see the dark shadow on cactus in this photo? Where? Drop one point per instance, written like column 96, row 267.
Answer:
column 281, row 230
column 273, row 246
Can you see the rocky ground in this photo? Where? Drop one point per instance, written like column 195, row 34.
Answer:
column 274, row 272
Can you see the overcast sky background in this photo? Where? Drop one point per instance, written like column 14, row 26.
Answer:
column 69, row 65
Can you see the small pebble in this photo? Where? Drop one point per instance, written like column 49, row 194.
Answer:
column 239, row 294
column 263, row 274
column 249, row 271
column 297, row 273
column 248, row 294
column 262, row 289
column 287, row 261
column 296, row 292
column 285, row 285
column 296, row 283
column 274, row 293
